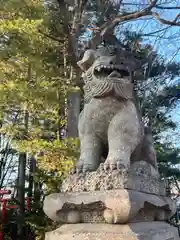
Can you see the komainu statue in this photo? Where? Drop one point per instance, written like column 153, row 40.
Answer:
column 110, row 122
column 116, row 179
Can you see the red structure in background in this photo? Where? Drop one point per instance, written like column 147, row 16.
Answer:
column 5, row 206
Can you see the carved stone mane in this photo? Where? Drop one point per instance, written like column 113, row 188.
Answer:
column 121, row 89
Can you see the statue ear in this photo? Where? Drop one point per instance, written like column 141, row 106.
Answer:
column 87, row 60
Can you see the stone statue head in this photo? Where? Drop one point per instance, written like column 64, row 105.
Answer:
column 107, row 71
column 108, row 63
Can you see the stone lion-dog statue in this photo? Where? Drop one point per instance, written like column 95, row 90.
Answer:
column 110, row 124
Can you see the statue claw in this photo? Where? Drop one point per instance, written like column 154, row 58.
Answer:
column 119, row 165
column 79, row 168
column 111, row 166
column 73, row 171
column 85, row 169
column 106, row 167
column 101, row 167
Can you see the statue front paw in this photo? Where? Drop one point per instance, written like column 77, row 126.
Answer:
column 113, row 164
column 82, row 167
column 78, row 168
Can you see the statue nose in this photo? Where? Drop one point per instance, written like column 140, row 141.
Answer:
column 112, row 60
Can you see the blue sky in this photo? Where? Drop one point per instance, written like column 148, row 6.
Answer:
column 166, row 43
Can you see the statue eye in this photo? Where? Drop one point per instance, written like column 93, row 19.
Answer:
column 97, row 56
column 112, row 53
column 111, row 50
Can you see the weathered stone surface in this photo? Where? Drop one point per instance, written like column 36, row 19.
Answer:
column 141, row 176
column 124, row 188
column 134, row 231
column 112, row 206
column 111, row 121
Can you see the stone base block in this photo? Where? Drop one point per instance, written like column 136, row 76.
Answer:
column 134, row 231
column 141, row 177
column 113, row 206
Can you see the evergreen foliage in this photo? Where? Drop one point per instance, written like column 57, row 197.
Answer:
column 33, row 87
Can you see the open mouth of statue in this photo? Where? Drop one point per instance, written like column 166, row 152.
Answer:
column 110, row 71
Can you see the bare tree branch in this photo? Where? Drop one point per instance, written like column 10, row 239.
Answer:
column 106, row 30
column 167, row 22
column 108, row 27
column 157, row 6
column 170, row 8
column 158, row 31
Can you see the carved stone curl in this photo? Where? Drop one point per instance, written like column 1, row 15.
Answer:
column 113, row 206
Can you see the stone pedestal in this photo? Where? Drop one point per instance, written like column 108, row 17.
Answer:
column 125, row 205
column 134, row 231
column 121, row 196
column 111, row 206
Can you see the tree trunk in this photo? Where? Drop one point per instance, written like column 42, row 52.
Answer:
column 21, row 195
column 74, row 102
column 32, row 163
